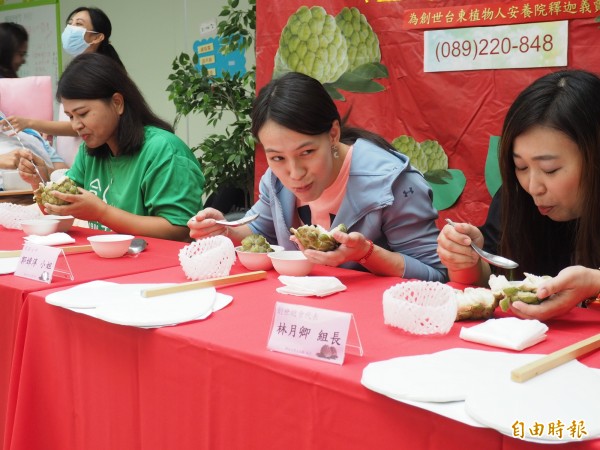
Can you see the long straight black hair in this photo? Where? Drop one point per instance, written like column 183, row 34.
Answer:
column 301, row 103
column 93, row 76
column 567, row 101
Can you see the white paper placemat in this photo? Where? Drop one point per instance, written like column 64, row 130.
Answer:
column 567, row 395
column 445, row 376
column 123, row 304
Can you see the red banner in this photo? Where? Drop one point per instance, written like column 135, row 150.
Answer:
column 461, row 110
column 498, row 14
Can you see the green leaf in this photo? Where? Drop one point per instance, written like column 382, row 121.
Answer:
column 493, row 179
column 445, row 195
column 333, row 92
column 371, row 70
column 354, row 83
column 438, row 176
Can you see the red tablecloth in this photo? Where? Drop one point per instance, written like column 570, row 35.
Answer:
column 84, row 266
column 80, row 383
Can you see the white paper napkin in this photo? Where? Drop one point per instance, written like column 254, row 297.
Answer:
column 8, row 265
column 508, row 332
column 51, row 239
column 308, row 286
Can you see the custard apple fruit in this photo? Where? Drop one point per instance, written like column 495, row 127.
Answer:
column 475, row 304
column 511, row 291
column 312, row 43
column 317, row 238
column 256, row 243
column 362, row 42
column 64, row 184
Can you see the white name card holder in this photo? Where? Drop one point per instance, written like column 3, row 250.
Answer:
column 41, row 263
column 315, row 333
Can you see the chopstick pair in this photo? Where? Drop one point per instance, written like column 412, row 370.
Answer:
column 555, row 359
column 213, row 282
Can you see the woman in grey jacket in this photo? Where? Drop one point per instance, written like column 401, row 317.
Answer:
column 322, row 172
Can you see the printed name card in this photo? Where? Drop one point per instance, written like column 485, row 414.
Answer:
column 37, row 262
column 310, row 332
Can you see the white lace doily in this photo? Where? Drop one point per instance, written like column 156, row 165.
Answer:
column 420, row 307
column 11, row 214
column 206, row 258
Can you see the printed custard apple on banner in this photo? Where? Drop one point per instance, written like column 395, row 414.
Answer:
column 256, row 243
column 408, row 146
column 342, row 52
column 312, row 43
column 362, row 42
column 64, row 184
column 435, row 155
column 429, row 158
column 316, row 237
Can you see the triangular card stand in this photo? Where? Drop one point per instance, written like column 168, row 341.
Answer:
column 41, row 262
column 353, row 344
column 62, row 268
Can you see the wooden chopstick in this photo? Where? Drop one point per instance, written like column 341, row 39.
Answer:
column 67, row 250
column 555, row 359
column 77, row 249
column 214, row 282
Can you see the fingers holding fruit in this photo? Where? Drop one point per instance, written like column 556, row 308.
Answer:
column 84, row 205
column 330, row 248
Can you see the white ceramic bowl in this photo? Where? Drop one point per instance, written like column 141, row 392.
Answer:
column 290, row 262
column 39, row 227
column 110, row 245
column 256, row 261
column 12, row 181
column 64, row 222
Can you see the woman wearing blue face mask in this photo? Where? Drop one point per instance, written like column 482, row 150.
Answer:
column 88, row 30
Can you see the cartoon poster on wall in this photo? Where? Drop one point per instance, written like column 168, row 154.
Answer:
column 371, row 56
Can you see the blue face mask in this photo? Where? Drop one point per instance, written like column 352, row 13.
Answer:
column 73, row 40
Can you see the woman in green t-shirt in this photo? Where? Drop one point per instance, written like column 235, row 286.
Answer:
column 134, row 175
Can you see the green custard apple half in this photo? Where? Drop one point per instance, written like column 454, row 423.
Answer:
column 317, row 238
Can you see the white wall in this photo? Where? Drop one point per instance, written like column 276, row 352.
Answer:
column 148, row 35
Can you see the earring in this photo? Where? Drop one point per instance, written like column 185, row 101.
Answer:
column 335, row 152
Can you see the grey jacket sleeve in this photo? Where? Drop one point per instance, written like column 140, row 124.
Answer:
column 409, row 226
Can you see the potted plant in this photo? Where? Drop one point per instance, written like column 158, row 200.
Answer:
column 227, row 159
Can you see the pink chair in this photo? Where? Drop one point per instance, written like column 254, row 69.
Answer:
column 32, row 97
column 27, row 97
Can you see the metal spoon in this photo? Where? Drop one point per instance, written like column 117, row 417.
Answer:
column 238, row 223
column 494, row 260
column 137, row 246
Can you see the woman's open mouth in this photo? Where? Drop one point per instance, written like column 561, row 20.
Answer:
column 303, row 189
